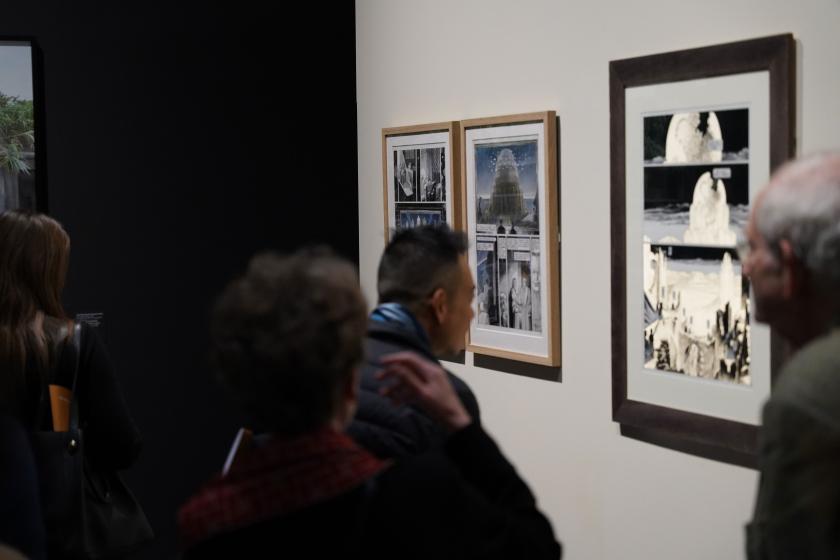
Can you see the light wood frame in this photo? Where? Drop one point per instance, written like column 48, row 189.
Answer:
column 548, row 230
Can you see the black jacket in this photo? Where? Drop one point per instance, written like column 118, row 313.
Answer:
column 387, row 430
column 797, row 510
column 112, row 440
column 463, row 501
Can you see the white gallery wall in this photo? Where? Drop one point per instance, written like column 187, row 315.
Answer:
column 609, row 497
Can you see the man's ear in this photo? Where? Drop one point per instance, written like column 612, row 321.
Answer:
column 794, row 272
column 440, row 304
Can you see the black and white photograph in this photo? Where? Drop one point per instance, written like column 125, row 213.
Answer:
column 487, row 284
column 697, row 137
column 507, row 282
column 17, row 128
column 420, row 181
column 406, row 163
column 696, row 313
column 432, row 175
column 420, row 175
column 419, row 187
column 696, row 177
column 696, row 204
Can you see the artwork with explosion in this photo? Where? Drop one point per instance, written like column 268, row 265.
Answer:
column 696, row 204
column 511, row 219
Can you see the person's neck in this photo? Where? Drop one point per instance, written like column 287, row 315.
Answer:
column 429, row 326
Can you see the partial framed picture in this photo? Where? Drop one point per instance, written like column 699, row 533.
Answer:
column 695, row 135
column 511, row 218
column 421, row 176
column 21, row 181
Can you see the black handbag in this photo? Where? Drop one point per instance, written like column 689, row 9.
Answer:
column 87, row 513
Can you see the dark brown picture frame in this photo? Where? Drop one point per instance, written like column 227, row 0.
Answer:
column 708, row 436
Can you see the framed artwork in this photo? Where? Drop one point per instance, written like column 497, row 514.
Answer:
column 511, row 218
column 420, row 175
column 19, row 165
column 694, row 135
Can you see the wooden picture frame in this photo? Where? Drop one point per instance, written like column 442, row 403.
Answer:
column 687, row 374
column 421, row 175
column 511, row 216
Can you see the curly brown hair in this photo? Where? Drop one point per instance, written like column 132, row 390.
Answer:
column 287, row 335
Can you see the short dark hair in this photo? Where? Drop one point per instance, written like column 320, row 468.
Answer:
column 287, row 335
column 417, row 261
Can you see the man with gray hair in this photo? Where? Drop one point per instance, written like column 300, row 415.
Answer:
column 793, row 262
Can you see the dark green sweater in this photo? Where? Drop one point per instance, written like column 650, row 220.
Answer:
column 797, row 513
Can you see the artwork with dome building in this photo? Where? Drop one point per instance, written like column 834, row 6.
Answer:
column 507, row 229
column 696, row 205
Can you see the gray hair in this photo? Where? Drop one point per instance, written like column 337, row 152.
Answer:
column 802, row 205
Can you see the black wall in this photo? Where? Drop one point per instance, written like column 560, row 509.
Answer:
column 179, row 142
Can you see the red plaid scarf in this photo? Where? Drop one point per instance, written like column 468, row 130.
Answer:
column 282, row 476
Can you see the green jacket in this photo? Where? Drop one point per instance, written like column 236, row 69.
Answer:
column 797, row 512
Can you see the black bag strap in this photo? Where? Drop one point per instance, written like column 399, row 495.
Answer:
column 43, row 402
column 74, row 402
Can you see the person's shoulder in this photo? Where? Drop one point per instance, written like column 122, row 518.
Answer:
column 816, row 363
column 384, row 338
column 810, row 381
column 457, row 382
column 90, row 337
column 465, row 393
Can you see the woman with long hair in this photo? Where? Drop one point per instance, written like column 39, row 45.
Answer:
column 35, row 333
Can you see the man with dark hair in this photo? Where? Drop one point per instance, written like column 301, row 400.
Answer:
column 287, row 340
column 425, row 306
column 793, row 262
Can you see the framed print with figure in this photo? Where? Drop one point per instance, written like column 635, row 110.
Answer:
column 420, row 176
column 511, row 218
column 694, row 136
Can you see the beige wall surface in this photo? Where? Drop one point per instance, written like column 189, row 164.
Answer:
column 609, row 497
